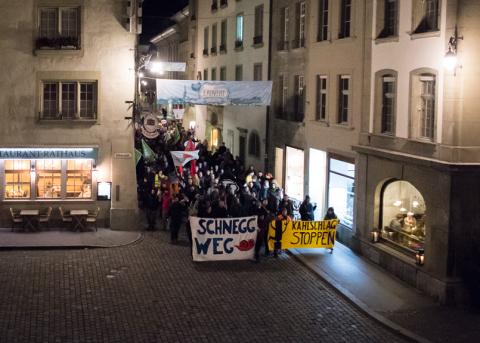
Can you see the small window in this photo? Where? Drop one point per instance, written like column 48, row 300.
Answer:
column 79, row 179
column 48, row 179
column 299, row 97
column 254, row 144
column 223, row 73
column 223, row 36
column 300, row 25
column 345, row 19
column 423, row 106
column 58, row 28
column 323, row 9
column 257, row 72
column 214, row 74
column 390, row 18
column 214, row 39
column 388, row 104
column 403, row 216
column 239, row 72
column 344, row 98
column 258, row 29
column 66, row 100
column 283, row 44
column 239, row 31
column 426, row 15
column 17, row 179
column 321, row 97
column 283, row 91
column 205, row 41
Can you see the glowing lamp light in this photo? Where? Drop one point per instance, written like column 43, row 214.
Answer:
column 415, row 204
column 192, row 125
column 156, row 67
column 450, row 61
column 141, row 74
column 403, row 209
column 144, row 82
column 397, row 203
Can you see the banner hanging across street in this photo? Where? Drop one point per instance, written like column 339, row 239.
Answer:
column 302, row 234
column 216, row 239
column 220, row 93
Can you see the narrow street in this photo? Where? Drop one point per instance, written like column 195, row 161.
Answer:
column 152, row 292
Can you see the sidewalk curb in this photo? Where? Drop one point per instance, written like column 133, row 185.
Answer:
column 138, row 239
column 360, row 304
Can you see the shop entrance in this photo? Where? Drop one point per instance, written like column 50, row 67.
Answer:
column 294, row 173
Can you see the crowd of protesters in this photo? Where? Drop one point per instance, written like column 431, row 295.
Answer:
column 217, row 185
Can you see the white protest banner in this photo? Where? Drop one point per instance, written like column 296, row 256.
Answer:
column 216, row 239
column 180, row 158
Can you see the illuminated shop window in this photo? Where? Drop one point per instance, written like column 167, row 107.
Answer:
column 341, row 190
column 403, row 215
column 79, row 179
column 48, row 178
column 17, row 179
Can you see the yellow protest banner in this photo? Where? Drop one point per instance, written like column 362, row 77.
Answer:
column 302, row 234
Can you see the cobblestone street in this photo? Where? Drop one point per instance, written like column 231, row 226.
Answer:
column 153, row 292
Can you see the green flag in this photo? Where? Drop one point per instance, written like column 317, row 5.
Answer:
column 138, row 156
column 148, row 153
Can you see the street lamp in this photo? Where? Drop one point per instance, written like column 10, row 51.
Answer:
column 450, row 60
column 156, row 67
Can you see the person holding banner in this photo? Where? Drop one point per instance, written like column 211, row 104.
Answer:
column 329, row 216
column 307, row 209
column 279, row 224
column 264, row 218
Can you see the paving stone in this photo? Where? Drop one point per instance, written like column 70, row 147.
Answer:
column 153, row 292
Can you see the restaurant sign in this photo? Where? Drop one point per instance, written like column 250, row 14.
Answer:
column 48, row 153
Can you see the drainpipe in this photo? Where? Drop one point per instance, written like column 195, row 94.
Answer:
column 269, row 58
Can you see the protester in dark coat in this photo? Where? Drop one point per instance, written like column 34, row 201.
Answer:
column 220, row 210
column 151, row 207
column 287, row 204
column 178, row 214
column 330, row 214
column 307, row 209
column 262, row 236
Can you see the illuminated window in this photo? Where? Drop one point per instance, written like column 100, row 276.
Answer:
column 48, row 178
column 17, row 179
column 214, row 138
column 239, row 31
column 341, row 190
column 79, row 179
column 403, row 215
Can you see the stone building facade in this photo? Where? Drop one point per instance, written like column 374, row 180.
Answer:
column 68, row 68
column 418, row 154
column 232, row 44
column 318, row 66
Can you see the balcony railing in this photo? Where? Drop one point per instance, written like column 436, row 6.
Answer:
column 205, row 52
column 223, row 48
column 238, row 44
column 213, row 50
column 58, row 43
column 257, row 40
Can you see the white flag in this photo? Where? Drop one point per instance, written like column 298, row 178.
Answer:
column 180, row 158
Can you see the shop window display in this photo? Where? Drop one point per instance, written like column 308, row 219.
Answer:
column 17, row 179
column 403, row 216
column 48, row 178
column 341, row 190
column 79, row 179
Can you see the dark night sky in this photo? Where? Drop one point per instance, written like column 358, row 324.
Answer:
column 156, row 14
